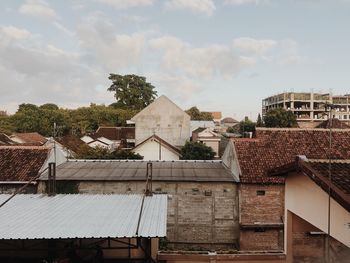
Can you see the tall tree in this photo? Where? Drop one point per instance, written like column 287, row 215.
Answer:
column 246, row 126
column 198, row 115
column 280, row 118
column 132, row 91
column 259, row 122
column 196, row 151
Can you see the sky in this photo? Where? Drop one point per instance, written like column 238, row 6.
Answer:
column 224, row 55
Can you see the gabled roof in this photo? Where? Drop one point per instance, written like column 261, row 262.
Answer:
column 229, row 120
column 274, row 148
column 71, row 142
column 318, row 171
column 198, row 130
column 334, row 123
column 5, row 140
column 153, row 106
column 161, row 141
column 21, row 163
column 31, row 138
column 116, row 133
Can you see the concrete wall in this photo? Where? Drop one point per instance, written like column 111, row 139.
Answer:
column 200, row 215
column 164, row 119
column 152, row 150
column 263, row 210
column 308, row 201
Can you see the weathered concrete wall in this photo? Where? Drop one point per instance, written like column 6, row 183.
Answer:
column 12, row 188
column 164, row 119
column 200, row 215
column 261, row 205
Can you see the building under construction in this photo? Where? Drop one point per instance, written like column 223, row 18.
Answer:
column 310, row 108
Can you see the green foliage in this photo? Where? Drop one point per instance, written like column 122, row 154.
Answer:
column 280, row 118
column 246, row 126
column 234, row 129
column 31, row 118
column 103, row 153
column 131, row 91
column 196, row 114
column 196, row 151
column 259, row 122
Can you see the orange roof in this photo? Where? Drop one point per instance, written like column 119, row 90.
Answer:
column 31, row 137
column 217, row 115
column 21, row 163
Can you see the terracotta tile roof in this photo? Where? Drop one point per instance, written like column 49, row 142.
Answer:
column 31, row 138
column 71, row 142
column 274, row 148
column 217, row 115
column 336, row 124
column 116, row 133
column 5, row 140
column 21, row 163
column 318, row 171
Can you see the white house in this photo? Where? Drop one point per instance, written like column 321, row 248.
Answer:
column 164, row 119
column 208, row 137
column 155, row 148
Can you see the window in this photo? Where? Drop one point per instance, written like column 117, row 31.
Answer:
column 260, row 192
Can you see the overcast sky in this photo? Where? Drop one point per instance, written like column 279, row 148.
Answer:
column 224, row 55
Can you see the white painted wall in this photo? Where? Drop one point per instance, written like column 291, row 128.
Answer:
column 165, row 119
column 150, row 151
column 308, row 201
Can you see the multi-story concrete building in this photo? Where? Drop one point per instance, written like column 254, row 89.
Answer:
column 310, row 108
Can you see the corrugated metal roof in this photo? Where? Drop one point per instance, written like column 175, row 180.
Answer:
column 181, row 171
column 82, row 216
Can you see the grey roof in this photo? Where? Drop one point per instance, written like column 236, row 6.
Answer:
column 82, row 216
column 117, row 170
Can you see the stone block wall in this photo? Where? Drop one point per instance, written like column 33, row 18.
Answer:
column 201, row 215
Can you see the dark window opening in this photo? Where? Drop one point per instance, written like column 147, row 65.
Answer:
column 260, row 192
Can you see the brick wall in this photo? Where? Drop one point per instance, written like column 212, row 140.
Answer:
column 262, row 205
column 200, row 215
column 313, row 248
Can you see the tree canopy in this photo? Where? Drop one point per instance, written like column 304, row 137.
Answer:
column 198, row 115
column 103, row 153
column 280, row 118
column 33, row 118
column 196, row 151
column 131, row 91
column 246, row 126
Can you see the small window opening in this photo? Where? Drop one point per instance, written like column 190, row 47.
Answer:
column 260, row 192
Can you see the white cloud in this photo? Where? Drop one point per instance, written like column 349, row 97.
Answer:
column 202, row 62
column 15, row 32
column 37, row 8
column 114, row 51
column 243, row 2
column 124, row 4
column 205, row 7
column 252, row 45
column 62, row 28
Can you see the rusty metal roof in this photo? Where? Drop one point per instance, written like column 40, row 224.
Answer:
column 135, row 170
column 82, row 216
